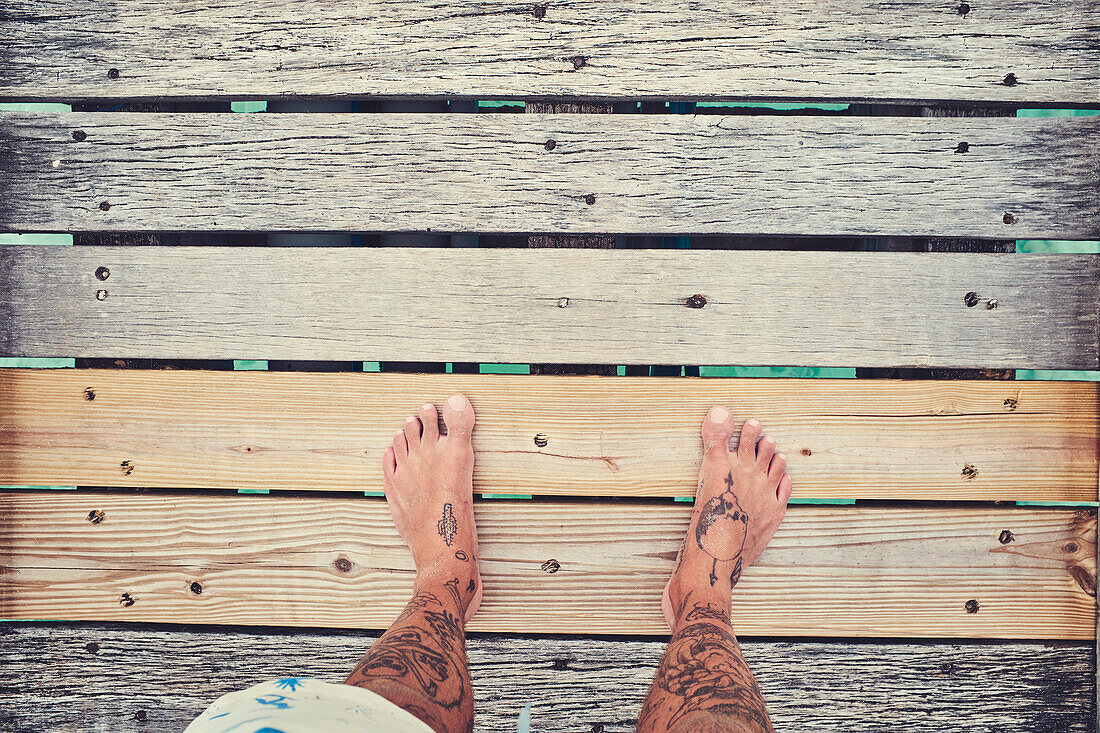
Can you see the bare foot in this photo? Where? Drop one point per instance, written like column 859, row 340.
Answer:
column 428, row 480
column 740, row 501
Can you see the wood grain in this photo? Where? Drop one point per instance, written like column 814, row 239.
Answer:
column 714, row 49
column 604, row 436
column 63, row 676
column 553, row 306
column 606, row 174
column 268, row 560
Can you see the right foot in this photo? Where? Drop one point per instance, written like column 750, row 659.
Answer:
column 428, row 480
column 740, row 501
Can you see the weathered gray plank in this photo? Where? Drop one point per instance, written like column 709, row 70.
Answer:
column 1008, row 51
column 84, row 677
column 552, row 305
column 625, row 174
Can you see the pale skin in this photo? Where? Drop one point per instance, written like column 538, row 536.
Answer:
column 702, row 683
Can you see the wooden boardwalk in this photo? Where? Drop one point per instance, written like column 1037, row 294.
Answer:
column 866, row 220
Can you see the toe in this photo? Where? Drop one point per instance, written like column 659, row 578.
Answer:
column 389, row 465
column 784, row 493
column 429, row 421
column 458, row 415
column 400, row 446
column 764, row 452
column 717, row 430
column 777, row 469
column 412, row 432
column 746, row 446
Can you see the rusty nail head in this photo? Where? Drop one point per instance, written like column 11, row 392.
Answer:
column 112, row 73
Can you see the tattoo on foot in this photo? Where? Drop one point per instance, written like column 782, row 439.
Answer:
column 460, row 555
column 722, row 512
column 452, row 586
column 472, row 586
column 448, row 525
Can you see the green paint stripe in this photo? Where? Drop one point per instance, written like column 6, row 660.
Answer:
column 505, row 496
column 1092, row 504
column 37, row 239
column 374, row 493
column 1057, row 112
column 253, row 491
column 18, row 362
column 372, row 366
column 777, row 372
column 34, row 107
column 504, row 368
column 1058, row 375
column 37, row 488
column 778, row 105
column 248, row 106
column 249, row 365
column 1056, row 246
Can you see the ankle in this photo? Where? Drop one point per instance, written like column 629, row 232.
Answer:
column 699, row 601
column 451, row 584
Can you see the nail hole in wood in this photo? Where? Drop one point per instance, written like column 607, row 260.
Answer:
column 101, row 295
column 696, row 301
column 541, row 440
column 563, row 302
column 91, row 647
column 539, row 11
column 969, row 472
column 196, row 588
column 963, row 9
column 112, row 73
column 1005, row 537
column 963, row 147
column 342, row 564
column 1008, row 218
column 550, row 144
column 96, row 516
column 102, row 273
column 590, row 199
column 1010, row 80
column 126, row 600
column 89, row 394
column 80, row 136
column 551, row 566
column 971, row 299
column 972, row 606
column 579, row 62
column 806, row 452
column 991, row 304
column 1011, row 403
column 104, row 205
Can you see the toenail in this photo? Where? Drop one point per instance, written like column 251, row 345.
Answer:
column 409, row 419
column 719, row 414
column 753, row 422
column 781, row 456
column 457, row 401
column 427, row 406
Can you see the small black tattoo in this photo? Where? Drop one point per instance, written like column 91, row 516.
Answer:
column 708, row 610
column 448, row 525
column 452, row 586
column 472, row 586
column 460, row 555
column 722, row 511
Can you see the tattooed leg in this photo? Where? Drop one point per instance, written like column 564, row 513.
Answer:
column 420, row 662
column 703, row 682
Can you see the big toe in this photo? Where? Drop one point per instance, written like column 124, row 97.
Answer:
column 717, row 429
column 458, row 416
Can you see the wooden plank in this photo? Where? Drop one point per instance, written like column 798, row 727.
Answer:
column 1005, row 51
column 1032, row 178
column 852, row 571
column 586, row 436
column 63, row 676
column 553, row 306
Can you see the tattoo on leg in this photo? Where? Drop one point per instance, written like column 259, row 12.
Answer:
column 472, row 586
column 452, row 586
column 703, row 670
column 722, row 512
column 448, row 525
column 460, row 555
column 708, row 610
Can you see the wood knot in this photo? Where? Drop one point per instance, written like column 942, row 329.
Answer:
column 196, row 588
column 696, row 301
column 342, row 564
column 561, row 664
column 806, row 452
column 962, row 148
column 969, row 472
column 1071, row 548
column 89, row 394
column 551, row 566
column 541, row 440
column 1085, row 579
column 579, row 62
column 1005, row 537
column 1010, row 80
column 972, row 606
column 102, row 273
column 126, row 600
column 96, row 516
column 112, row 73
column 971, row 299
column 80, row 136
column 947, row 668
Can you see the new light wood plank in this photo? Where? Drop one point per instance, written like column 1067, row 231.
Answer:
column 830, row 571
column 712, row 49
column 604, row 436
column 63, row 676
column 613, row 174
column 553, row 306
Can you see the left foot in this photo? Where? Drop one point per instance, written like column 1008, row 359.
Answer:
column 428, row 480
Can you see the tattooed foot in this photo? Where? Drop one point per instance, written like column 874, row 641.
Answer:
column 740, row 501
column 428, row 479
